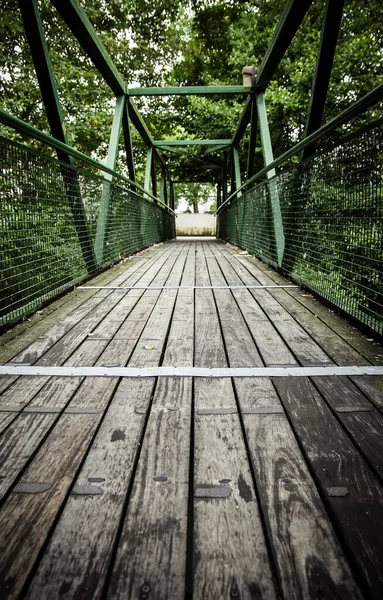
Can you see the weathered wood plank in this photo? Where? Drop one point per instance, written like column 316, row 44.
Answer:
column 230, row 555
column 300, row 533
column 158, row 505
column 336, row 463
column 59, row 464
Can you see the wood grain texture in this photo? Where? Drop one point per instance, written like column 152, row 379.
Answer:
column 335, row 462
column 230, row 555
column 300, row 532
column 78, row 556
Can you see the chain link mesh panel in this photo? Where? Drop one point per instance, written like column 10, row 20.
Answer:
column 332, row 214
column 48, row 220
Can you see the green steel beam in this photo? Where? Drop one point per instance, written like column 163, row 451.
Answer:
column 148, row 169
column 163, row 187
column 78, row 22
column 128, row 143
column 274, row 197
column 103, row 214
column 39, row 50
column 218, row 148
column 160, row 143
column 242, row 123
column 153, row 174
column 327, row 46
column 237, row 170
column 252, row 140
column 189, row 90
column 287, row 27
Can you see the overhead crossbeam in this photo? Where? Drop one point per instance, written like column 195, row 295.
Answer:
column 160, row 143
column 288, row 25
column 327, row 46
column 189, row 90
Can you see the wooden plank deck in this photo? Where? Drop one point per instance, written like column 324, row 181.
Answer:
column 166, row 488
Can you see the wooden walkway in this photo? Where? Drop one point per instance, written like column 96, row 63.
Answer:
column 207, row 488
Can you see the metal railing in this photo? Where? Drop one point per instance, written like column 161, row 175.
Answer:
column 331, row 209
column 50, row 215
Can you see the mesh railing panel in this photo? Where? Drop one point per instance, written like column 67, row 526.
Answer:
column 332, row 213
column 48, row 225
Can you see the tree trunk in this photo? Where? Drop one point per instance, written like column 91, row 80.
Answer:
column 195, row 206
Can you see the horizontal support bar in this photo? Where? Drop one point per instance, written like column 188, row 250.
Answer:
column 188, row 90
column 327, row 371
column 160, row 143
column 358, row 107
column 185, row 287
column 31, row 131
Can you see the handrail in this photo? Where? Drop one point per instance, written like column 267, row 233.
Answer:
column 361, row 105
column 31, row 131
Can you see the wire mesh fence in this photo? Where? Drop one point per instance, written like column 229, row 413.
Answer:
column 332, row 216
column 59, row 225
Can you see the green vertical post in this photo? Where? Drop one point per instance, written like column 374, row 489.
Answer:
column 39, row 50
column 163, row 187
column 253, row 137
column 154, row 177
column 274, row 197
column 103, row 215
column 128, row 142
column 237, row 170
column 148, row 169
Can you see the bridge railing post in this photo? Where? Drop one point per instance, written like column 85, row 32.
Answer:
column 104, row 210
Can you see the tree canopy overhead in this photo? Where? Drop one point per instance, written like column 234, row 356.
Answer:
column 188, row 42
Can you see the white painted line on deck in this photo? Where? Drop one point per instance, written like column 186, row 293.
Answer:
column 324, row 371
column 185, row 287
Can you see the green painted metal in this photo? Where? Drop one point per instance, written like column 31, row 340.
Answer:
column 292, row 17
column 327, row 46
column 148, row 169
column 357, row 108
column 237, row 169
column 333, row 227
column 163, row 187
column 218, row 148
column 252, row 140
column 103, row 215
column 40, row 247
column 128, row 143
column 274, row 196
column 160, row 143
column 40, row 55
column 31, row 131
column 78, row 22
column 188, row 90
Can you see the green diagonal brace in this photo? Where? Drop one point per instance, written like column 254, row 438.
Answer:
column 103, row 215
column 274, row 197
column 36, row 39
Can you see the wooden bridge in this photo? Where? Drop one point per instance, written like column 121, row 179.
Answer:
column 225, row 486
column 194, row 417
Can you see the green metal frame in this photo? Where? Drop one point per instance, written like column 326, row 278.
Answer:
column 327, row 46
column 268, row 159
column 160, row 143
column 189, row 90
column 40, row 55
column 103, row 217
